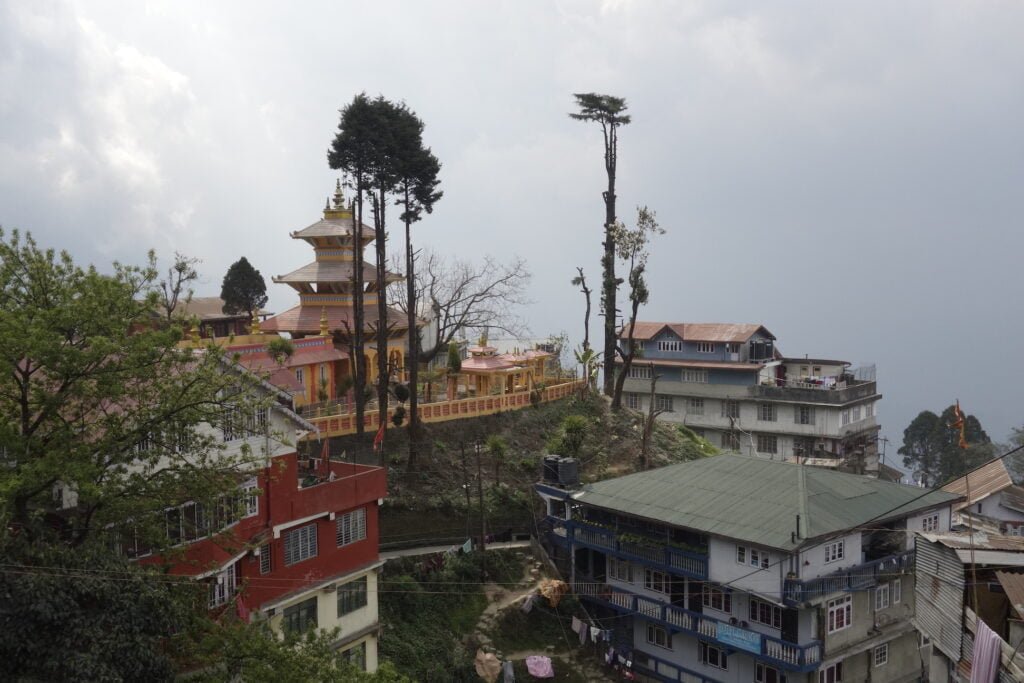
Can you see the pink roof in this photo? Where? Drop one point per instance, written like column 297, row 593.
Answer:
column 486, row 364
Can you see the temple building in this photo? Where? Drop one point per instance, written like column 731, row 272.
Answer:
column 326, row 289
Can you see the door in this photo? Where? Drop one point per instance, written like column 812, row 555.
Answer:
column 791, row 625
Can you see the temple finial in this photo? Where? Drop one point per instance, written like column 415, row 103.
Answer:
column 324, row 331
column 255, row 328
column 327, row 204
column 339, row 196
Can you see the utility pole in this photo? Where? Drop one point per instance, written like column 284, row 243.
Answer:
column 465, row 487
column 483, row 516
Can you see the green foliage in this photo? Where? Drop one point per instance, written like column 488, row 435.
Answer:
column 705, row 446
column 569, row 439
column 84, row 614
column 70, row 368
column 497, row 446
column 401, row 392
column 243, row 289
column 280, row 349
column 930, row 447
column 454, row 359
column 398, row 417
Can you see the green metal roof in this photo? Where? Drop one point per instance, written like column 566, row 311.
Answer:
column 758, row 500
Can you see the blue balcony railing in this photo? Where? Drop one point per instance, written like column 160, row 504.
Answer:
column 661, row 669
column 799, row 591
column 664, row 557
column 778, row 652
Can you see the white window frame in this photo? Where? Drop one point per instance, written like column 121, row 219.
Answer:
column 659, row 637
column 695, row 406
column 350, row 527
column 633, row 401
column 761, row 674
column 670, row 345
column 834, row 551
column 656, row 581
column 223, row 586
column 767, row 443
column 716, row 598
column 741, row 554
column 845, row 415
column 705, row 347
column 664, row 402
column 880, row 655
column 832, row 673
column 761, row 559
column 323, row 373
column 767, row 412
column 855, row 414
column 640, row 371
column 804, row 415
column 930, row 523
column 300, row 375
column 882, row 597
column 839, row 614
column 704, row 655
column 694, row 376
column 300, row 544
column 265, row 559
column 251, row 497
column 773, row 616
column 897, row 591
column 730, row 408
column 620, row 570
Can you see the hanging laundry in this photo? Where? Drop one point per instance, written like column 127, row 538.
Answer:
column 539, row 667
column 595, row 632
column 528, row 603
column 508, row 673
column 576, row 625
column 609, row 656
column 583, row 634
column 606, row 635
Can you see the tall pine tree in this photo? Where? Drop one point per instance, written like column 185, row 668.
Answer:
column 243, row 289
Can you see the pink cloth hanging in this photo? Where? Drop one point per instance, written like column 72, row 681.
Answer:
column 985, row 659
column 539, row 667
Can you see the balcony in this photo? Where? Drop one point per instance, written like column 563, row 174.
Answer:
column 800, row 591
column 662, row 556
column 652, row 666
column 777, row 652
column 345, row 485
column 802, row 392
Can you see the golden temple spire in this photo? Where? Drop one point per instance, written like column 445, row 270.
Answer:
column 339, row 196
column 255, row 328
column 324, row 331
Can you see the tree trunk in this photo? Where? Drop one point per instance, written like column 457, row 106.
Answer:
column 627, row 359
column 609, row 283
column 382, row 311
column 359, row 350
column 412, row 356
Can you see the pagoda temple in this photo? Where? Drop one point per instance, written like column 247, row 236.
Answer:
column 326, row 289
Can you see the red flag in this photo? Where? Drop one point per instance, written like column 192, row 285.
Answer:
column 243, row 611
column 379, row 439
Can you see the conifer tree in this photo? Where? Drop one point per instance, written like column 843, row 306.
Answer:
column 243, row 289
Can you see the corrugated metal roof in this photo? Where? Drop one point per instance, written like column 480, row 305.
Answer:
column 1013, row 584
column 709, row 332
column 997, row 557
column 984, row 481
column 757, row 500
column 980, row 540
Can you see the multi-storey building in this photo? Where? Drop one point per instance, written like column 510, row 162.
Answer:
column 992, row 501
column 298, row 545
column 731, row 385
column 734, row 568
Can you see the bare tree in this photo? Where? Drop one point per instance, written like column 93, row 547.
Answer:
column 176, row 288
column 632, row 248
column 581, row 282
column 652, row 415
column 463, row 297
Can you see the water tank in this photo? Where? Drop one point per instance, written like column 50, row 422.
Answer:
column 549, row 473
column 568, row 472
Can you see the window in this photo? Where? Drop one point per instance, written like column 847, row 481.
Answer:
column 882, row 596
column 299, row 375
column 718, row 599
column 840, row 612
column 845, row 417
column 741, row 554
column 881, row 655
column 730, row 441
column 695, row 376
column 930, row 523
column 638, row 345
column 656, row 635
column 760, row 558
column 834, row 551
column 323, row 373
column 237, row 424
column 300, row 544
column 663, row 403
column 712, row 656
column 640, row 372
column 765, row 613
column 731, row 409
column 705, row 347
column 656, row 581
column 803, row 415
column 620, row 570
column 670, row 346
column 855, row 414
column 223, row 586
column 351, row 596
column 695, row 406
column 803, row 446
column 767, row 443
column 251, row 498
column 633, row 401
column 351, row 527
column 897, row 591
column 301, row 617
column 831, row 674
column 869, row 409
column 356, row 656
column 766, row 412
column 265, row 558
column 766, row 674
column 732, row 347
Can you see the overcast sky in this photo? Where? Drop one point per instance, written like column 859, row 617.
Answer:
column 847, row 174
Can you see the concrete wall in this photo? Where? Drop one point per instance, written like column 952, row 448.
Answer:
column 723, row 568
column 992, row 507
column 812, row 560
column 914, row 523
